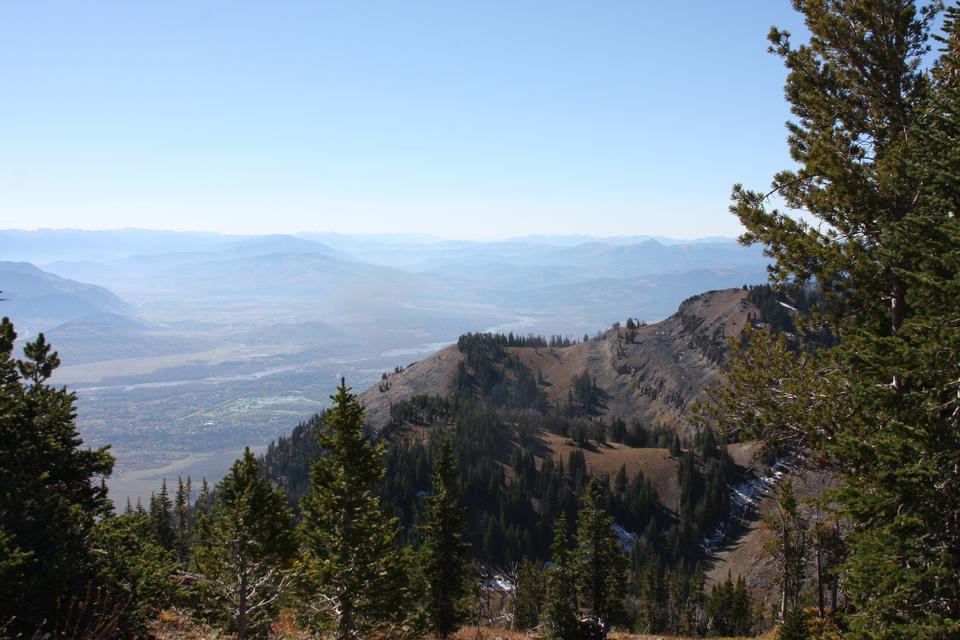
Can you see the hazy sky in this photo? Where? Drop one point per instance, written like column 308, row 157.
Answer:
column 463, row 119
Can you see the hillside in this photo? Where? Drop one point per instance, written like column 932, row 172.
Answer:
column 532, row 419
column 39, row 300
column 650, row 376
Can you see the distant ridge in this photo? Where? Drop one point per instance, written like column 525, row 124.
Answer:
column 38, row 300
column 652, row 377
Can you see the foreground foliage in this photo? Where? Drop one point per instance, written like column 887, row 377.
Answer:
column 878, row 146
column 246, row 550
column 51, row 490
column 355, row 578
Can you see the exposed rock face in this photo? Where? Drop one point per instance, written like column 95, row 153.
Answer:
column 652, row 376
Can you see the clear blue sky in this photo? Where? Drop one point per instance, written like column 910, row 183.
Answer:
column 463, row 119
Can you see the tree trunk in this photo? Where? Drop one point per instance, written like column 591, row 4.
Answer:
column 242, row 606
column 345, row 625
column 786, row 572
column 819, row 580
column 898, row 311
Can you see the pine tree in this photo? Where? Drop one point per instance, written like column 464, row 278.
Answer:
column 134, row 568
column 246, row 555
column 675, row 450
column 598, row 560
column 50, row 489
column 695, row 614
column 650, row 607
column 355, row 578
column 561, row 610
column 878, row 148
column 675, row 598
column 161, row 517
column 183, row 532
column 529, row 594
column 741, row 609
column 445, row 562
column 720, row 607
column 788, row 546
column 902, row 568
column 795, row 626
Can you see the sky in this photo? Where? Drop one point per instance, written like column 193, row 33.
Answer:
column 460, row 119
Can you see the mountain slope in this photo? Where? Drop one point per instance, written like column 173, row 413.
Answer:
column 530, row 423
column 651, row 376
column 37, row 300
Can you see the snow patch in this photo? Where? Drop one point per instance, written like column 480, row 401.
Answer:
column 744, row 502
column 625, row 539
column 500, row 584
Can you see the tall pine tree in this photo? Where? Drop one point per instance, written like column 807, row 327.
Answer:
column 876, row 140
column 598, row 560
column 355, row 579
column 788, row 545
column 444, row 552
column 561, row 611
column 246, row 553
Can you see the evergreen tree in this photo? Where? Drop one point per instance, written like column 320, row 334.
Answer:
column 204, row 500
column 598, row 560
column 878, row 148
column 649, row 607
column 720, row 607
column 355, row 578
column 444, row 553
column 675, row 593
column 561, row 610
column 134, row 568
column 795, row 626
column 675, row 450
column 694, row 619
column 741, row 609
column 788, row 546
column 246, row 553
column 50, row 489
column 529, row 594
column 183, row 525
column 161, row 517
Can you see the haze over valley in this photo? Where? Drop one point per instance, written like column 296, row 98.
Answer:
column 185, row 347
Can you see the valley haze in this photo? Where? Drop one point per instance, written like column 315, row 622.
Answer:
column 185, row 347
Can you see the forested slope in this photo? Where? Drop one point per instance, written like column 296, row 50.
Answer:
column 532, row 418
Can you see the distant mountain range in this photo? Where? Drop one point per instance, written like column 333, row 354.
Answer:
column 43, row 246
column 180, row 343
column 36, row 299
column 582, row 280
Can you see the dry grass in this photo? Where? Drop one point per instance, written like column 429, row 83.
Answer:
column 503, row 634
column 175, row 624
column 656, row 464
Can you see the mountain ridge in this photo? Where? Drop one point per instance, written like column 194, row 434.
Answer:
column 40, row 300
column 645, row 376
